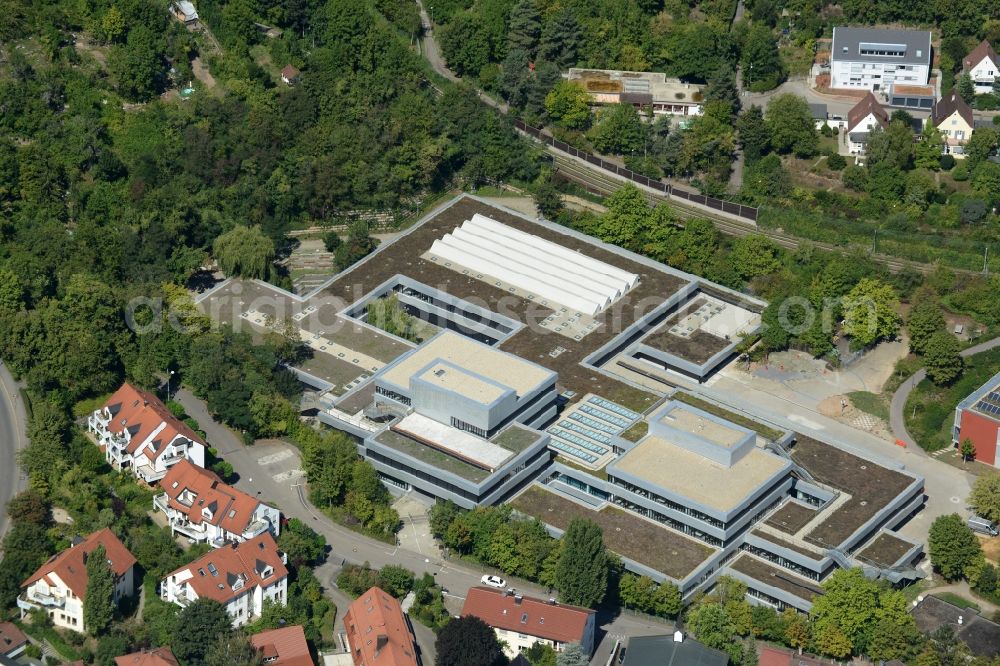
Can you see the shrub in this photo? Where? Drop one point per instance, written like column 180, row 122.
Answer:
column 960, row 172
column 836, row 161
column 947, row 162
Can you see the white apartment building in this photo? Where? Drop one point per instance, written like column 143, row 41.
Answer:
column 201, row 507
column 241, row 577
column 60, row 585
column 873, row 58
column 137, row 432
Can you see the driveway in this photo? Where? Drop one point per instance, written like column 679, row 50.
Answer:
column 13, row 425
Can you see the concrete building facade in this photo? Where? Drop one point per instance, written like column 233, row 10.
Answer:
column 873, row 58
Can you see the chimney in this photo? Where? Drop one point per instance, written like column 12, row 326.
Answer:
column 518, row 598
column 678, row 636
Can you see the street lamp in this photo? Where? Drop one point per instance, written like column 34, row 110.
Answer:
column 169, row 377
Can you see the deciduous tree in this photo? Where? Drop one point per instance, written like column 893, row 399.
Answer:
column 926, row 319
column 568, row 104
column 941, row 358
column 870, row 312
column 618, row 130
column 985, row 496
column 760, row 62
column 244, row 251
column 790, row 125
column 952, row 544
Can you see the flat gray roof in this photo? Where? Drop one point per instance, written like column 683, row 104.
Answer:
column 916, row 45
column 503, row 368
column 672, row 468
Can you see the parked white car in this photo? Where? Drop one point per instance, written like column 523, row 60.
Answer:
column 493, row 581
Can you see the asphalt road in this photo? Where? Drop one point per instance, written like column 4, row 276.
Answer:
column 897, row 420
column 12, row 439
column 269, row 470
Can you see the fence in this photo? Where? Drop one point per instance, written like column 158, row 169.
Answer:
column 738, row 210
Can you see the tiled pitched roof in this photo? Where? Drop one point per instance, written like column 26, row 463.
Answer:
column 11, row 638
column 232, row 509
column 289, row 72
column 214, row 574
column 948, row 105
column 868, row 104
column 158, row 657
column 536, row 617
column 142, row 413
column 377, row 631
column 984, row 50
column 287, row 645
column 70, row 565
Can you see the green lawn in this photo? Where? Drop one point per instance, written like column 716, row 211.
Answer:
column 956, row 600
column 870, row 403
column 930, row 410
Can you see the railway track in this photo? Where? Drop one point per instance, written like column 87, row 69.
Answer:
column 603, row 184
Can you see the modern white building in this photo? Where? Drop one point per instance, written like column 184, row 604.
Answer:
column 873, row 58
column 241, row 577
column 983, row 66
column 201, row 507
column 60, row 585
column 138, row 433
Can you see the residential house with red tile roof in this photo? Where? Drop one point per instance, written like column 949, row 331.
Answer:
column 983, row 67
column 772, row 656
column 241, row 577
column 158, row 657
column 137, row 432
column 12, row 640
column 954, row 119
column 378, row 632
column 201, row 507
column 521, row 621
column 286, row 646
column 60, row 585
column 864, row 117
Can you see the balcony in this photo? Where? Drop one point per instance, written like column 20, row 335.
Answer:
column 189, row 530
column 33, row 598
column 149, row 473
column 256, row 528
column 160, row 502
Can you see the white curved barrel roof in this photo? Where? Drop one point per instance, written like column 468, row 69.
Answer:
column 535, row 265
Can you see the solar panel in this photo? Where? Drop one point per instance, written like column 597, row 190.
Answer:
column 586, row 432
column 591, row 423
column 604, row 416
column 579, row 441
column 614, row 407
column 572, row 450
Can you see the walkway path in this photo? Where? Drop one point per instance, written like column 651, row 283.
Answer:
column 897, row 420
column 962, row 589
